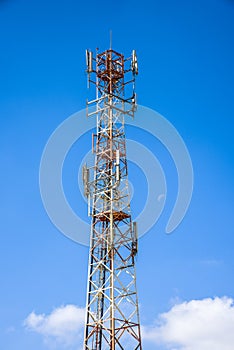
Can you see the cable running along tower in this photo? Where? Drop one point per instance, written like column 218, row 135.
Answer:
column 112, row 316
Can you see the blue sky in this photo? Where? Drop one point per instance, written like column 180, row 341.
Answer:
column 186, row 73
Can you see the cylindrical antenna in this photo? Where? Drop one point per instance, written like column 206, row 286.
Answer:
column 135, row 238
column 134, row 63
column 85, row 175
column 110, row 39
column 117, row 165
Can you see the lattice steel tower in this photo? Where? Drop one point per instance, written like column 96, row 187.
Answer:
column 112, row 316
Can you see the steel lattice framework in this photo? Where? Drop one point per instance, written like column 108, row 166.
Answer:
column 112, row 316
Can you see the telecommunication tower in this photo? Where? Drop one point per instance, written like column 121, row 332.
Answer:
column 112, row 315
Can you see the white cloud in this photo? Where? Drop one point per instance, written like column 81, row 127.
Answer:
column 211, row 262
column 198, row 324
column 64, row 326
